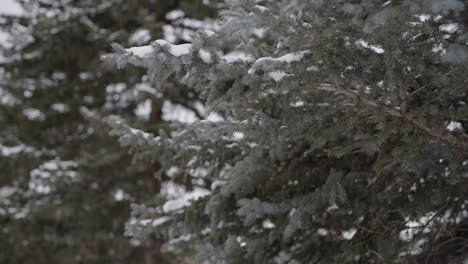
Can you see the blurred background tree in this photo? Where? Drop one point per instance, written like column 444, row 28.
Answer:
column 65, row 186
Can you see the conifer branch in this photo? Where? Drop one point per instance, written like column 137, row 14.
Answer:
column 438, row 133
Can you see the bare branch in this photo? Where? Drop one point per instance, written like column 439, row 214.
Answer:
column 439, row 133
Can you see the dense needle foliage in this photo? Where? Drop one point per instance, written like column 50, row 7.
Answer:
column 65, row 185
column 341, row 135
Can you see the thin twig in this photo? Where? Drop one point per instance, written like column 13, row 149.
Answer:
column 435, row 132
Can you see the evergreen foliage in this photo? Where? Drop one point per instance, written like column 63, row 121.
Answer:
column 65, row 186
column 343, row 136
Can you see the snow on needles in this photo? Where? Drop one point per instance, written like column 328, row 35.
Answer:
column 267, row 62
column 288, row 58
column 174, row 50
column 185, row 199
column 141, row 52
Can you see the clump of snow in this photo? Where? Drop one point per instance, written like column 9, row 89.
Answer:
column 349, row 234
column 139, row 37
column 145, row 87
column 237, row 136
column 236, row 56
column 452, row 126
column 175, row 14
column 169, row 33
column 179, row 113
column 11, row 7
column 375, row 48
column 267, row 224
column 268, row 62
column 172, row 172
column 6, row 151
column 119, row 195
column 143, row 110
column 141, row 52
column 416, row 226
column 185, row 199
column 298, row 104
column 322, row 232
column 59, row 107
column 43, row 178
column 208, row 32
column 161, row 220
column 34, row 114
column 439, row 48
column 278, row 75
column 6, row 191
column 205, row 56
column 261, row 8
column 449, row 28
column 85, row 76
column 140, row 133
column 424, row 17
column 175, row 50
column 6, row 98
column 333, row 207
column 312, row 69
column 288, row 58
column 216, row 184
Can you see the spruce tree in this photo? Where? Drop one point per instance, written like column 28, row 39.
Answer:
column 341, row 136
column 65, row 186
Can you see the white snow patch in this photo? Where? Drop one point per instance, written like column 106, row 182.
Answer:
column 185, row 200
column 59, row 107
column 140, row 37
column 34, row 114
column 267, row 224
column 416, row 226
column 208, row 32
column 143, row 110
column 298, row 104
column 278, row 75
column 349, row 234
column 237, row 56
column 175, row 50
column 237, row 136
column 312, row 69
column 169, row 33
column 424, row 17
column 332, row 207
column 141, row 52
column 11, row 7
column 261, row 8
column 172, row 172
column 116, row 88
column 214, row 117
column 375, row 48
column 322, row 232
column 216, row 184
column 6, row 191
column 160, row 220
column 453, row 126
column 141, row 133
column 11, row 151
column 205, row 56
column 175, row 14
column 179, row 113
column 439, row 48
column 288, row 58
column 449, row 28
column 268, row 61
column 43, row 178
column 119, row 195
